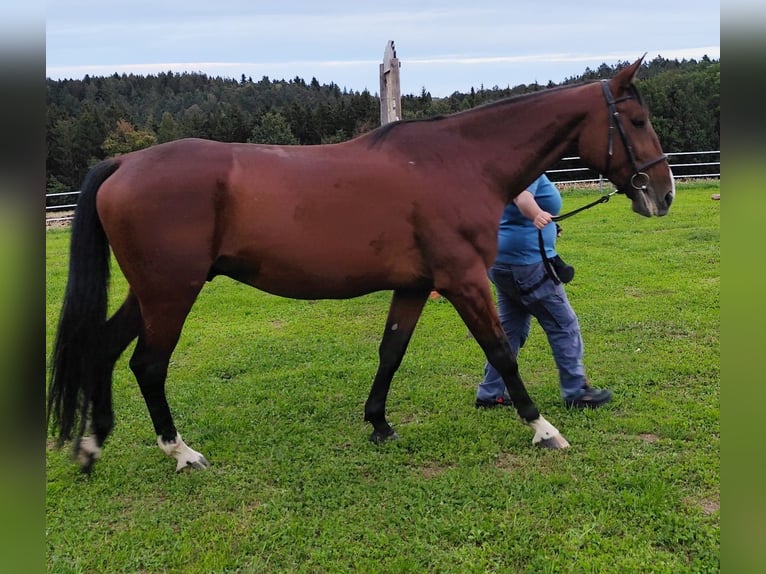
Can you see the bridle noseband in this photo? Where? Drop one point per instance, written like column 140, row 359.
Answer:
column 639, row 180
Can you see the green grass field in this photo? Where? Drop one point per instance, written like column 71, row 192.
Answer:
column 272, row 391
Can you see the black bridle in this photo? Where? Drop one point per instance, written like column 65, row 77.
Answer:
column 639, row 175
column 638, row 181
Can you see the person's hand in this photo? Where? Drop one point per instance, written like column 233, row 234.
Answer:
column 542, row 219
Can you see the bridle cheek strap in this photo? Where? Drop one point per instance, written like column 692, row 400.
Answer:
column 639, row 180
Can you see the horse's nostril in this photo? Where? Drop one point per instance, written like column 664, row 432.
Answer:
column 669, row 198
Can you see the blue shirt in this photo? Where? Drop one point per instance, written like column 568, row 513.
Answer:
column 517, row 241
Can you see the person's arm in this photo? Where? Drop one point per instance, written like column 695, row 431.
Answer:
column 528, row 207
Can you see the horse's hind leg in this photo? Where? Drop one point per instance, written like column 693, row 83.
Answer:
column 162, row 323
column 119, row 331
column 403, row 315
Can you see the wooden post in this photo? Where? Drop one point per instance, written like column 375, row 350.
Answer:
column 390, row 96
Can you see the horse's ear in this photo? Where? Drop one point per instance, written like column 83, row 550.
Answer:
column 625, row 77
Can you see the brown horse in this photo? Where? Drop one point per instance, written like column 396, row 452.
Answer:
column 410, row 207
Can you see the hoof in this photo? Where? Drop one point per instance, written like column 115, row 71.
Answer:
column 87, row 453
column 553, row 443
column 200, row 463
column 87, row 467
column 546, row 435
column 187, row 458
column 381, row 437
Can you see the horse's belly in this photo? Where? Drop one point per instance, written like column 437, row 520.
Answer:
column 318, row 274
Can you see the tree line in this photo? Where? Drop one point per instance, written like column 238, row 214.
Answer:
column 92, row 118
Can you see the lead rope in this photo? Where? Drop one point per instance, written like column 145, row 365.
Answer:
column 547, row 264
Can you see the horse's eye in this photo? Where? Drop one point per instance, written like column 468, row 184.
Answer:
column 638, row 123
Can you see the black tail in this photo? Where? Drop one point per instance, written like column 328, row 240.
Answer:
column 76, row 362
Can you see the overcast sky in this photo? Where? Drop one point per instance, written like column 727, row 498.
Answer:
column 443, row 45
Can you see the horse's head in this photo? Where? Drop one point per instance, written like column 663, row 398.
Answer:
column 621, row 143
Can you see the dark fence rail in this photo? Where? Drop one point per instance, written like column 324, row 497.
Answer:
column 569, row 170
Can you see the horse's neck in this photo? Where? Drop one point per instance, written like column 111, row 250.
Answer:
column 521, row 138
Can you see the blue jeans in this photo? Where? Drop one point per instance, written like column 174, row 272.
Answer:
column 523, row 293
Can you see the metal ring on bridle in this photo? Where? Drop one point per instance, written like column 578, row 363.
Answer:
column 640, row 175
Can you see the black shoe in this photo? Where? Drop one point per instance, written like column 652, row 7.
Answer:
column 496, row 402
column 590, row 399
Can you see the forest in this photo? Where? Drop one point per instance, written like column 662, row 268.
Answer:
column 92, row 118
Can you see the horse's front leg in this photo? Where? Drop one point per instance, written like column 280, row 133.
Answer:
column 403, row 314
column 472, row 299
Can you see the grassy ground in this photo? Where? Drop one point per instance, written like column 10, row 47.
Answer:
column 272, row 391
